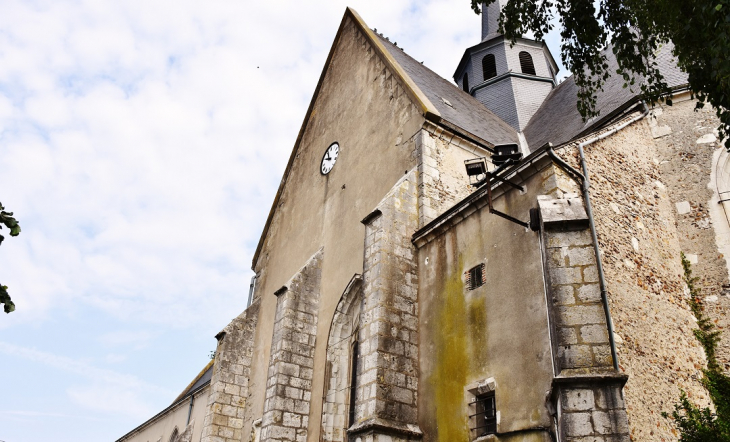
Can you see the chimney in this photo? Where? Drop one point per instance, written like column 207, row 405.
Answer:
column 490, row 18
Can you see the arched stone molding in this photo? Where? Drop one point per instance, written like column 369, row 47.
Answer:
column 720, row 203
column 343, row 333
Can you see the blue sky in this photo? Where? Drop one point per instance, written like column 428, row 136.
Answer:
column 141, row 145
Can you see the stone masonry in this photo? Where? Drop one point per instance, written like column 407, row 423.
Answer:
column 289, row 384
column 587, row 391
column 229, row 384
column 386, row 397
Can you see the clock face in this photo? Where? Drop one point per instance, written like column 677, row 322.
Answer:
column 329, row 158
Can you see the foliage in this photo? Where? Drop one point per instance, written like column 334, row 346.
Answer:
column 697, row 424
column 7, row 220
column 698, row 31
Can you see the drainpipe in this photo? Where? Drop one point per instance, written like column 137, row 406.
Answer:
column 190, row 409
column 250, row 291
column 585, row 184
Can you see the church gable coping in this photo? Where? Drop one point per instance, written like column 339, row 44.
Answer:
column 429, row 111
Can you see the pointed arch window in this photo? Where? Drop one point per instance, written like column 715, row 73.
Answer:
column 526, row 64
column 465, row 83
column 489, row 66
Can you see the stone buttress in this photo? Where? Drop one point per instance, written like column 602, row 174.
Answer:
column 290, row 373
column 587, row 391
column 387, row 378
column 230, row 381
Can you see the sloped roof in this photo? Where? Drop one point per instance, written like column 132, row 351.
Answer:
column 201, row 379
column 558, row 121
column 464, row 112
column 426, row 88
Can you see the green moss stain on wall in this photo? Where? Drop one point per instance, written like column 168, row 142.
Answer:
column 477, row 308
column 452, row 362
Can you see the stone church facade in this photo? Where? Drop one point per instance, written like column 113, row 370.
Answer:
column 396, row 300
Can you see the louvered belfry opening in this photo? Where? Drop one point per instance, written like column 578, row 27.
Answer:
column 526, row 64
column 489, row 66
column 466, row 83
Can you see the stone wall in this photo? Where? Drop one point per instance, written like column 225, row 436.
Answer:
column 575, row 296
column 640, row 249
column 686, row 145
column 229, row 384
column 289, row 383
column 387, row 387
column 442, row 179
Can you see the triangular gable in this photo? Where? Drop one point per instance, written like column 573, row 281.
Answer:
column 430, row 112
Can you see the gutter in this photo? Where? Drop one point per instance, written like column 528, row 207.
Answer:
column 585, row 185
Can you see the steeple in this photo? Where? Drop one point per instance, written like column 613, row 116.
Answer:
column 490, row 18
column 510, row 80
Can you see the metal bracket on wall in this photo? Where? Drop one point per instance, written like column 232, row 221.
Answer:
column 491, row 178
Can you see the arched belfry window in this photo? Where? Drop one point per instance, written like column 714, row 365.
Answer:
column 528, row 67
column 489, row 66
column 465, row 84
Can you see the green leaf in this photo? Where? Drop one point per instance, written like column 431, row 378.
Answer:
column 718, row 7
column 9, row 306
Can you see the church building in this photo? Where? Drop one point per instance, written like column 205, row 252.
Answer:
column 471, row 261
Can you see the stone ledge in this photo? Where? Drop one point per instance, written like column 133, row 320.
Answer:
column 591, row 379
column 386, row 426
column 563, row 213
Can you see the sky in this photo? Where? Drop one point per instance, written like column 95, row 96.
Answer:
column 141, row 146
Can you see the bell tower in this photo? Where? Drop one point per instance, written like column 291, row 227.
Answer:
column 510, row 80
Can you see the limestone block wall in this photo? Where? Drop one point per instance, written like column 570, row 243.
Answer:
column 637, row 234
column 584, row 365
column 229, row 390
column 594, row 412
column 387, row 387
column 289, row 383
column 576, row 301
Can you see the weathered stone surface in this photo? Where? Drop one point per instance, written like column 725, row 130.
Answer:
column 286, row 408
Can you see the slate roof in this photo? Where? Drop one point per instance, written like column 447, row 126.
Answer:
column 201, row 379
column 464, row 112
column 558, row 121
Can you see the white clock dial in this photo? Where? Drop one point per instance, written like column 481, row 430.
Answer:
column 329, row 158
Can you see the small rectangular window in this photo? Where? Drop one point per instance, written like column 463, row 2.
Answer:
column 475, row 277
column 483, row 421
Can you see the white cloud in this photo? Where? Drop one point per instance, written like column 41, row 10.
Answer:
column 141, row 145
column 101, row 384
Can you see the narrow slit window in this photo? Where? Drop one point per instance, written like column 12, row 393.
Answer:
column 353, row 382
column 528, row 67
column 465, row 83
column 489, row 66
column 475, row 277
column 483, row 421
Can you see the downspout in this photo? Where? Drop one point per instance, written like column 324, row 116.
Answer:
column 585, row 184
column 190, row 409
column 250, row 291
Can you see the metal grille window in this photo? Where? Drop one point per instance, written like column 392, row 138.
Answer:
column 483, row 420
column 475, row 277
column 489, row 66
column 526, row 64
